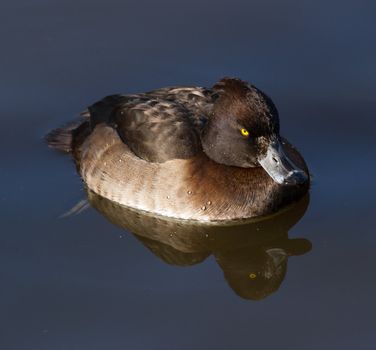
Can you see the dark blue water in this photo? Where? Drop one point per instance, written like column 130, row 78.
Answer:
column 83, row 283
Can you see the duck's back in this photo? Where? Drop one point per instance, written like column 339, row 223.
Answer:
column 159, row 125
column 198, row 100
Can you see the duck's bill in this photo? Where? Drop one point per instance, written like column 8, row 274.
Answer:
column 280, row 168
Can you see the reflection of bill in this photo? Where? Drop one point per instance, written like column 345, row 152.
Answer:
column 253, row 254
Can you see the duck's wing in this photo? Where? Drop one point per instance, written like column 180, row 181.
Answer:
column 156, row 130
column 104, row 110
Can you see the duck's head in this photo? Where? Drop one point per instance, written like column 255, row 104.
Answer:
column 243, row 131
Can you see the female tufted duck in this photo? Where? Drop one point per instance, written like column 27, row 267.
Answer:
column 188, row 152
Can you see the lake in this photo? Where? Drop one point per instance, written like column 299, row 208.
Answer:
column 83, row 281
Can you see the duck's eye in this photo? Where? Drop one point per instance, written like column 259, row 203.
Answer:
column 244, row 132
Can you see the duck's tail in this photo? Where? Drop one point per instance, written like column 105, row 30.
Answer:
column 63, row 139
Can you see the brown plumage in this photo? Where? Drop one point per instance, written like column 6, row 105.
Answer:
column 179, row 152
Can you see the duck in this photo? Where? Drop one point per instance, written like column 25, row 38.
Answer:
column 192, row 153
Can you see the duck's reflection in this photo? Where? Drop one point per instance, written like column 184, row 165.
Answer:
column 252, row 254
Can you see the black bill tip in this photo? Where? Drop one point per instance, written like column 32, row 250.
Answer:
column 280, row 168
column 296, row 177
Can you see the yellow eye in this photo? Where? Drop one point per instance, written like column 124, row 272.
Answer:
column 244, row 132
column 252, row 276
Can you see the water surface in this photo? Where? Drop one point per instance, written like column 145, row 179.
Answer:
column 84, row 283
